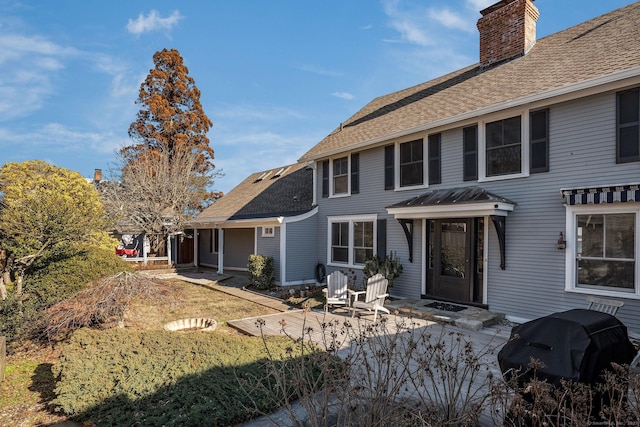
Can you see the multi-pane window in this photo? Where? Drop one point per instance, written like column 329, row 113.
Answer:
column 351, row 240
column 605, row 251
column 412, row 163
column 362, row 241
column 340, row 242
column 504, row 147
column 628, row 126
column 341, row 175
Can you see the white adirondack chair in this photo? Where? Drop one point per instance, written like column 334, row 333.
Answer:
column 374, row 296
column 608, row 306
column 336, row 290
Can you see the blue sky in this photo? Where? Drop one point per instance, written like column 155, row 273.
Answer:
column 275, row 76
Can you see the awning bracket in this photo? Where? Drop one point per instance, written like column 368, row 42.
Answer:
column 499, row 222
column 407, row 227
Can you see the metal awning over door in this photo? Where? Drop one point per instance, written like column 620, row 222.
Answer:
column 466, row 202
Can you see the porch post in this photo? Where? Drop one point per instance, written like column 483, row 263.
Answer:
column 169, row 249
column 196, row 239
column 220, row 250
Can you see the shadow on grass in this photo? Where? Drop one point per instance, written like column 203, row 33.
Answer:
column 44, row 383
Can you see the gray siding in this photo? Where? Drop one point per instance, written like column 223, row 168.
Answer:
column 270, row 246
column 238, row 245
column 206, row 254
column 301, row 250
column 582, row 153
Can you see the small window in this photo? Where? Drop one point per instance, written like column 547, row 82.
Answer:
column 263, row 176
column 434, row 159
column 341, row 175
column 412, row 163
column 340, row 242
column 470, row 153
column 267, row 232
column 504, row 147
column 280, row 172
column 539, row 141
column 628, row 126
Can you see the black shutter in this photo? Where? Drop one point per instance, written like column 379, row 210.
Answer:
column 355, row 173
column 470, row 153
column 389, row 172
column 539, row 141
column 434, row 159
column 324, row 165
column 381, row 238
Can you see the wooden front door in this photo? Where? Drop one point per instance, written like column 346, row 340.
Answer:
column 451, row 260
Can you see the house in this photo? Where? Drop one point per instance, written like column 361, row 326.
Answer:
column 270, row 213
column 511, row 184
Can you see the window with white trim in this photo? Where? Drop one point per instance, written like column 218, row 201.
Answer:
column 602, row 248
column 411, row 163
column 503, row 148
column 340, row 176
column 267, row 232
column 351, row 240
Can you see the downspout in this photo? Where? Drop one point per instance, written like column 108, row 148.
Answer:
column 283, row 253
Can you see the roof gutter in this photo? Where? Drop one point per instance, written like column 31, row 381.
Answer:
column 584, row 85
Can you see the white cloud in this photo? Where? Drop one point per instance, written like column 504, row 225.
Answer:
column 409, row 24
column 29, row 65
column 478, row 5
column 249, row 113
column 153, row 22
column 343, row 95
column 450, row 19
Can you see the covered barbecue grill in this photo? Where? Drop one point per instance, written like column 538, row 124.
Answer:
column 574, row 345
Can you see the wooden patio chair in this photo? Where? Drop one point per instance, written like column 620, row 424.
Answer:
column 604, row 305
column 336, row 291
column 374, row 296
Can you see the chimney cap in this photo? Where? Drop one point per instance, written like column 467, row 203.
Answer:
column 496, row 6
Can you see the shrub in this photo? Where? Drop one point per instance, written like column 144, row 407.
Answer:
column 53, row 278
column 124, row 377
column 389, row 267
column 261, row 271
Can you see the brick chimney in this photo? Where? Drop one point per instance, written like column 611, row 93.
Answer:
column 507, row 30
column 97, row 175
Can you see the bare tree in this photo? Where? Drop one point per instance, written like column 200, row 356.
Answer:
column 164, row 176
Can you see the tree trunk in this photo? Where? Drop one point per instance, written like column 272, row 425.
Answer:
column 19, row 284
column 3, row 289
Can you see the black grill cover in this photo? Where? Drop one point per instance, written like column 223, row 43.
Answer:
column 573, row 345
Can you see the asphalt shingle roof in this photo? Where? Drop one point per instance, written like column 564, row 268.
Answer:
column 596, row 48
column 286, row 195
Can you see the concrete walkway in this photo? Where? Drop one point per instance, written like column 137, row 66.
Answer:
column 466, row 317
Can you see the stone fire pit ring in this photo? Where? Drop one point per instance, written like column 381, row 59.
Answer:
column 192, row 324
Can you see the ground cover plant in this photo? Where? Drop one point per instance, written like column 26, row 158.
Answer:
column 26, row 393
column 124, row 377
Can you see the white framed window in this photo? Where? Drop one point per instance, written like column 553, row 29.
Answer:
column 268, row 232
column 340, row 168
column 503, row 151
column 602, row 250
column 410, row 165
column 351, row 240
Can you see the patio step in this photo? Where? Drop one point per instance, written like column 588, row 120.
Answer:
column 465, row 317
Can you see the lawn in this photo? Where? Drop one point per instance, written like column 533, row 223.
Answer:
column 29, row 384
